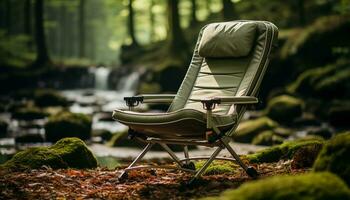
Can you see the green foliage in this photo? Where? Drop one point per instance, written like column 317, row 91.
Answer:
column 45, row 98
column 267, row 138
column 247, row 130
column 218, row 167
column 29, row 113
column 335, row 158
column 284, row 108
column 68, row 152
column 283, row 151
column 315, row 186
column 66, row 124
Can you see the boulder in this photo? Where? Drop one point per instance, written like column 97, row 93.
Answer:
column 66, row 153
column 285, row 150
column 334, row 157
column 247, row 130
column 305, row 156
column 29, row 138
column 29, row 113
column 66, row 124
column 315, row 186
column 46, row 98
column 284, row 108
column 267, row 138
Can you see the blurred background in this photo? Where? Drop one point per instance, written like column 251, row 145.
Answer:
column 66, row 64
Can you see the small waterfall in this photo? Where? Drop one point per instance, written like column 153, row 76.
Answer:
column 129, row 83
column 101, row 78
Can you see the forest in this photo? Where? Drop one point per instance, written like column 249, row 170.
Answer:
column 66, row 65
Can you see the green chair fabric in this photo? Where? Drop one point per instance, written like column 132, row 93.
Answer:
column 229, row 60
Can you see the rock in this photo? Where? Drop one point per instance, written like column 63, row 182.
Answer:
column 29, row 138
column 285, row 150
column 66, row 124
column 305, row 156
column 247, row 130
column 307, row 120
column 339, row 116
column 29, row 113
column 319, row 131
column 3, row 128
column 284, row 109
column 46, row 98
column 327, row 82
column 104, row 134
column 267, row 138
column 315, row 186
column 284, row 132
column 334, row 157
column 68, row 152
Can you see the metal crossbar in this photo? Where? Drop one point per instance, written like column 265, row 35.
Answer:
column 183, row 163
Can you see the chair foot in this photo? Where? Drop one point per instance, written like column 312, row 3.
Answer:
column 189, row 165
column 123, row 176
column 252, row 172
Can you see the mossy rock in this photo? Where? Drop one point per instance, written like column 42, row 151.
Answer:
column 29, row 138
column 315, row 186
column 338, row 116
column 284, row 108
column 218, row 167
column 267, row 138
column 104, row 134
column 3, row 128
column 66, row 153
column 66, row 124
column 334, row 156
column 305, row 156
column 29, row 113
column 247, row 130
column 282, row 151
column 46, row 98
column 328, row 82
column 325, row 133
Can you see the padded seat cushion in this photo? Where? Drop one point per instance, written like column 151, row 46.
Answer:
column 227, row 40
column 178, row 124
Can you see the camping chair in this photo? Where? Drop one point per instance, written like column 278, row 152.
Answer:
column 223, row 78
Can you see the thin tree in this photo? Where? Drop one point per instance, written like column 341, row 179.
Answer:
column 228, row 10
column 194, row 19
column 42, row 57
column 131, row 24
column 81, row 28
column 175, row 35
column 28, row 21
column 152, row 21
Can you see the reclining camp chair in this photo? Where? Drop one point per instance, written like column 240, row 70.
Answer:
column 226, row 70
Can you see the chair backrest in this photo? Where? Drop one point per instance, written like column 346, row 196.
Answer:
column 229, row 59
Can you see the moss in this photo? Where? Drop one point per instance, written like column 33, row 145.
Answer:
column 334, row 156
column 120, row 139
column 267, row 138
column 316, row 186
column 45, row 98
column 68, row 152
column 66, row 124
column 284, row 108
column 3, row 128
column 29, row 113
column 218, row 167
column 247, row 130
column 283, row 151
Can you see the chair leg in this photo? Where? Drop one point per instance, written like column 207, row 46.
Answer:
column 171, row 153
column 186, row 153
column 249, row 170
column 206, row 164
column 138, row 158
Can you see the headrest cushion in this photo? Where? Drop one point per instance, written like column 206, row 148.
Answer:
column 228, row 39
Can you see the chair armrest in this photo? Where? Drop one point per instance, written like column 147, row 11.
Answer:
column 148, row 98
column 210, row 104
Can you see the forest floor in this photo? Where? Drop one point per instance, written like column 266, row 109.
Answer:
column 102, row 183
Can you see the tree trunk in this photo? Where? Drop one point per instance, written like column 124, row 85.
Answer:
column 194, row 20
column 301, row 12
column 152, row 21
column 228, row 10
column 28, row 21
column 175, row 35
column 42, row 57
column 81, row 26
column 131, row 24
column 63, row 33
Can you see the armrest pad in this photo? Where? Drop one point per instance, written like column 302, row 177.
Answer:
column 149, row 98
column 210, row 104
